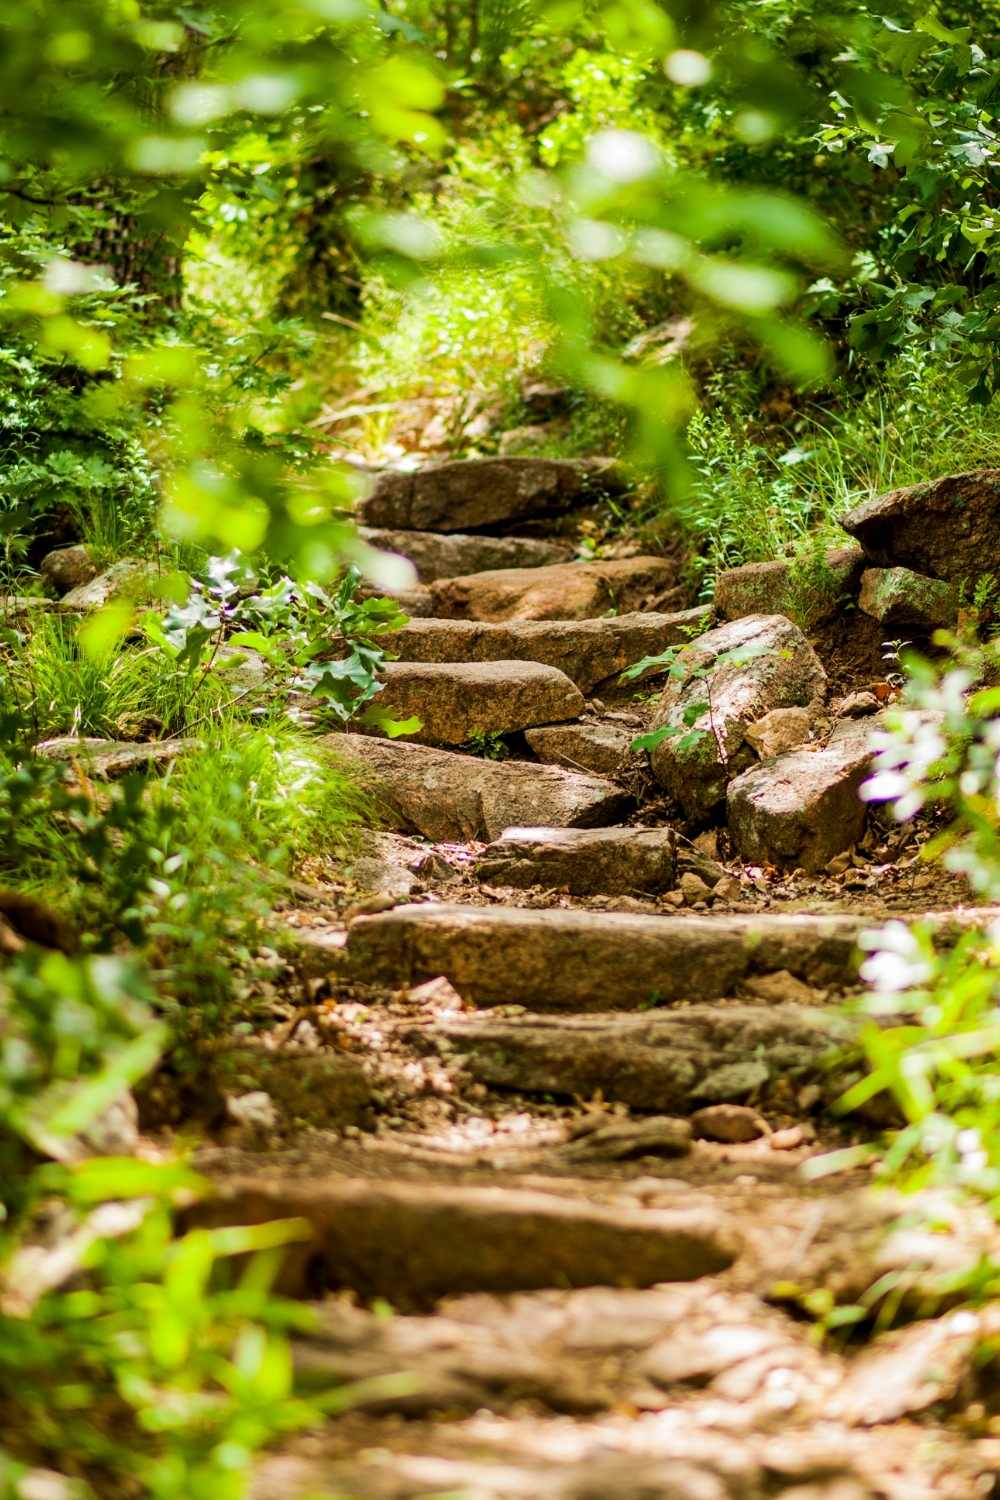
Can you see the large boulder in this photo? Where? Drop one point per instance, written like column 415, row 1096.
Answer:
column 565, row 591
column 479, row 492
column 897, row 596
column 803, row 808
column 457, row 700
column 67, row 568
column 949, row 527
column 438, row 555
column 806, row 589
column 584, row 861
column 724, row 682
column 588, row 651
column 444, row 795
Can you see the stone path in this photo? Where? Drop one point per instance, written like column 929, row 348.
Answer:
column 557, row 1056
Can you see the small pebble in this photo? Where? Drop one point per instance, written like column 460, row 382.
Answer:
column 732, row 1124
column 693, row 888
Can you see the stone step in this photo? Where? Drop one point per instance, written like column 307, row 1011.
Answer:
column 554, row 960
column 583, row 861
column 457, row 700
column 747, row 1442
column 472, row 494
column 600, row 748
column 444, row 795
column 415, row 1241
column 675, row 1060
column 576, row 1351
column 563, row 591
column 588, row 651
column 947, row 528
column 437, row 554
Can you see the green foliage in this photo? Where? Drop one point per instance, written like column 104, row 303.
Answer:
column 934, row 1030
column 187, row 867
column 133, row 1357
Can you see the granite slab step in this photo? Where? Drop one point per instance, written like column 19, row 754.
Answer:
column 415, row 1241
column 555, row 960
column 563, row 591
column 674, row 1060
column 442, row 794
column 588, row 651
column 470, row 494
column 458, row 700
column 437, row 554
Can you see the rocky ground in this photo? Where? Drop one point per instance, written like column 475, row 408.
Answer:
column 553, row 1059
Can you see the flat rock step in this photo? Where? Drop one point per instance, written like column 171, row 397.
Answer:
column 588, row 651
column 563, row 591
column 665, row 1061
column 583, row 861
column 443, row 795
column 602, row 749
column 578, row 1352
column 471, row 494
column 700, row 1451
column 416, row 1241
column 457, row 700
column 555, row 960
column 435, row 554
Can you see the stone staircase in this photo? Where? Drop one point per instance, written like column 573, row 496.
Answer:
column 555, row 1067
column 594, row 1062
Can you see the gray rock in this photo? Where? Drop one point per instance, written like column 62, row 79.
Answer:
column 444, row 795
column 586, row 861
column 803, row 808
column 563, row 591
column 728, row 1123
column 588, row 651
column 115, row 1132
column 457, row 700
column 449, row 555
column 471, row 494
column 948, row 527
column 385, row 863
column 129, row 576
column 108, row 759
column 304, row 1086
column 897, row 596
column 736, row 1080
column 586, row 961
column 780, row 730
column 600, row 748
column 661, row 1060
column 67, row 568
column 806, row 589
column 733, row 676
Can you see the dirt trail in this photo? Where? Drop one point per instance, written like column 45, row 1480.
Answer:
column 551, row 1094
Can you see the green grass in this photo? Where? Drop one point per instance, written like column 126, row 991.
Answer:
column 187, row 867
column 762, row 490
column 59, row 687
